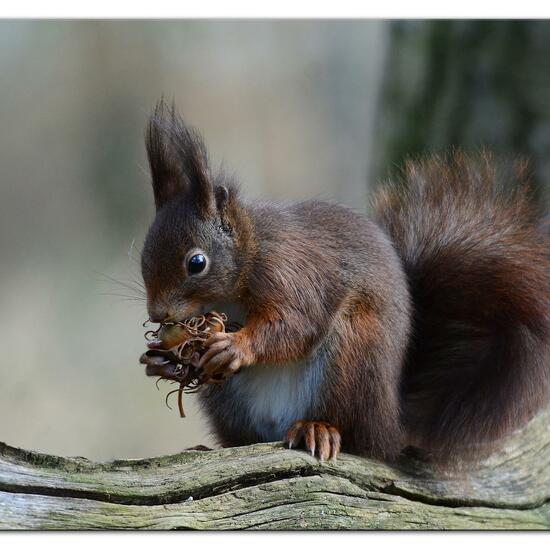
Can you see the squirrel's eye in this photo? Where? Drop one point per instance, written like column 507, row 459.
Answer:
column 196, row 264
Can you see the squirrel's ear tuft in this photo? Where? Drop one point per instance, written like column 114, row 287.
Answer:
column 177, row 159
column 221, row 194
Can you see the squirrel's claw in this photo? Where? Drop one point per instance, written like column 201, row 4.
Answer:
column 318, row 437
column 223, row 356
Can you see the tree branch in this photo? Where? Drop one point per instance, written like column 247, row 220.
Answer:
column 265, row 486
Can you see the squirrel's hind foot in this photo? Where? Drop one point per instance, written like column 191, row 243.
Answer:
column 319, row 438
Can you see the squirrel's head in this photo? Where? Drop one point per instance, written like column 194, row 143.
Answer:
column 191, row 253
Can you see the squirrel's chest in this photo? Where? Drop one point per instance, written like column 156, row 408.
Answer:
column 269, row 398
column 266, row 399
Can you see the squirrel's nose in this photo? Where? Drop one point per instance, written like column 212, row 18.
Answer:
column 160, row 313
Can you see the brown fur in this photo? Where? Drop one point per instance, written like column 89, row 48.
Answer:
column 327, row 290
column 321, row 279
column 479, row 271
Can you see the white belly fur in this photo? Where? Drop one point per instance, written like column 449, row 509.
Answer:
column 272, row 397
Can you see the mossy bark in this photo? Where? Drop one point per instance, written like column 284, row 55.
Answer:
column 266, row 486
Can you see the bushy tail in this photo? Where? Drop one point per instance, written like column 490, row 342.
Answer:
column 478, row 264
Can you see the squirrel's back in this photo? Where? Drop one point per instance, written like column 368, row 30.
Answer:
column 478, row 265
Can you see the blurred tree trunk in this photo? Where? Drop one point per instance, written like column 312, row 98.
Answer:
column 466, row 83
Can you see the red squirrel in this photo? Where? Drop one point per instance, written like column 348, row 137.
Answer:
column 427, row 326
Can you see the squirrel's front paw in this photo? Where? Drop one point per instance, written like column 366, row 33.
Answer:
column 320, row 437
column 226, row 353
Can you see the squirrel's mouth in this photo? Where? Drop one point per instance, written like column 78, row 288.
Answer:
column 180, row 312
column 174, row 312
column 187, row 310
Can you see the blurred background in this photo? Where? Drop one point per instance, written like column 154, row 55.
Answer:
column 295, row 109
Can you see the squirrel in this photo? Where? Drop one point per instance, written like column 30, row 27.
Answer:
column 425, row 326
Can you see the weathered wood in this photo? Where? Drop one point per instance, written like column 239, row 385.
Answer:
column 268, row 487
